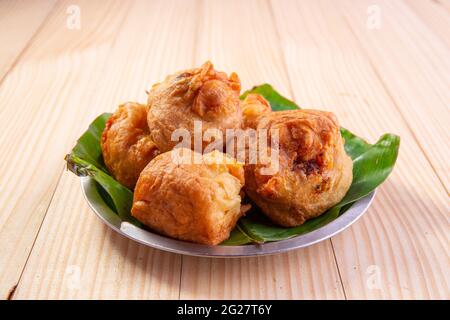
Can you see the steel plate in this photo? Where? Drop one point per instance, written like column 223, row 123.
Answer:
column 153, row 240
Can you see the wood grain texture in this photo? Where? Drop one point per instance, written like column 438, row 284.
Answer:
column 435, row 16
column 40, row 114
column 388, row 253
column 389, row 79
column 16, row 34
column 300, row 274
column 420, row 80
column 111, row 266
column 250, row 46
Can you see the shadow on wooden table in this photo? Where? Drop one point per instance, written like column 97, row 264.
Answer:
column 151, row 273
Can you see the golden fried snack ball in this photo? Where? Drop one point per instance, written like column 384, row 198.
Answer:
column 201, row 94
column 197, row 202
column 126, row 143
column 253, row 106
column 314, row 172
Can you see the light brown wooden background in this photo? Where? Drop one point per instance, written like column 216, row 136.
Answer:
column 325, row 54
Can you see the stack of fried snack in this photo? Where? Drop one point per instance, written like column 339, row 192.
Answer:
column 201, row 201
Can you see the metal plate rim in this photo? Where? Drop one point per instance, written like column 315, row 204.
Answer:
column 112, row 220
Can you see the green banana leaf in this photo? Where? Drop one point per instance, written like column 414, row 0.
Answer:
column 86, row 160
column 372, row 164
column 277, row 101
column 88, row 145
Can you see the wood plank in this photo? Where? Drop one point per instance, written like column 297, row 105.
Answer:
column 445, row 4
column 435, row 16
column 37, row 129
column 402, row 241
column 413, row 64
column 301, row 274
column 155, row 39
column 39, row 124
column 240, row 36
column 15, row 33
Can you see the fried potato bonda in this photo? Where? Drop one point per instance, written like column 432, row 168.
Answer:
column 188, row 201
column 126, row 143
column 314, row 172
column 200, row 94
column 253, row 106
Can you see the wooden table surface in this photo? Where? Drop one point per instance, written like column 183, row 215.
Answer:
column 381, row 66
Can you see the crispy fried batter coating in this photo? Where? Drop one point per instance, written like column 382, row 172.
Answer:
column 202, row 94
column 314, row 173
column 126, row 143
column 194, row 202
column 253, row 106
